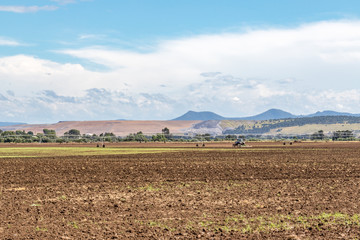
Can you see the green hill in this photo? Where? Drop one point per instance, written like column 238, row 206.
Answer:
column 268, row 126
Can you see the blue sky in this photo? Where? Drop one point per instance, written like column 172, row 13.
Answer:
column 130, row 59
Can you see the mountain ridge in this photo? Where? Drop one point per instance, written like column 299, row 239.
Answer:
column 267, row 115
column 202, row 116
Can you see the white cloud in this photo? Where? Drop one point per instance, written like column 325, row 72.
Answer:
column 346, row 100
column 302, row 70
column 8, row 42
column 88, row 36
column 95, row 104
column 26, row 74
column 64, row 2
column 287, row 81
column 315, row 54
column 26, row 9
column 32, row 9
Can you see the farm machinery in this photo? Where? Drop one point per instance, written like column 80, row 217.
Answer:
column 239, row 142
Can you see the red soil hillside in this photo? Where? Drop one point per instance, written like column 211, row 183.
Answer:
column 119, row 128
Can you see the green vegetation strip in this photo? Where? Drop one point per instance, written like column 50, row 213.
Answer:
column 76, row 151
column 23, row 152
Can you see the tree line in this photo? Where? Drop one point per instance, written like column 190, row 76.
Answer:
column 345, row 135
column 74, row 135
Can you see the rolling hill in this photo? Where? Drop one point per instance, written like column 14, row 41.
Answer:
column 267, row 115
column 206, row 115
column 332, row 113
column 203, row 116
column 119, row 128
column 270, row 114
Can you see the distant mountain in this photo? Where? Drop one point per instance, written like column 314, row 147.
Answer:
column 270, row 114
column 331, row 113
column 202, row 116
column 4, row 124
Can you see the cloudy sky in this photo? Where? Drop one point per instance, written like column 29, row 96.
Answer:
column 157, row 59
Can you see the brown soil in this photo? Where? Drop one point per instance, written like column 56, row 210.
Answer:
column 303, row 191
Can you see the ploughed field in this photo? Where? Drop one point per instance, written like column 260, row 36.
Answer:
column 165, row 191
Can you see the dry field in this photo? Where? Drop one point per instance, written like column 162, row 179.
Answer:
column 177, row 191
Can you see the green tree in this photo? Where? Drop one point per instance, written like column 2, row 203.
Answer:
column 140, row 137
column 346, row 135
column 158, row 138
column 8, row 133
column 129, row 138
column 107, row 134
column 319, row 135
column 19, row 132
column 49, row 134
column 165, row 131
column 231, row 137
column 73, row 132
